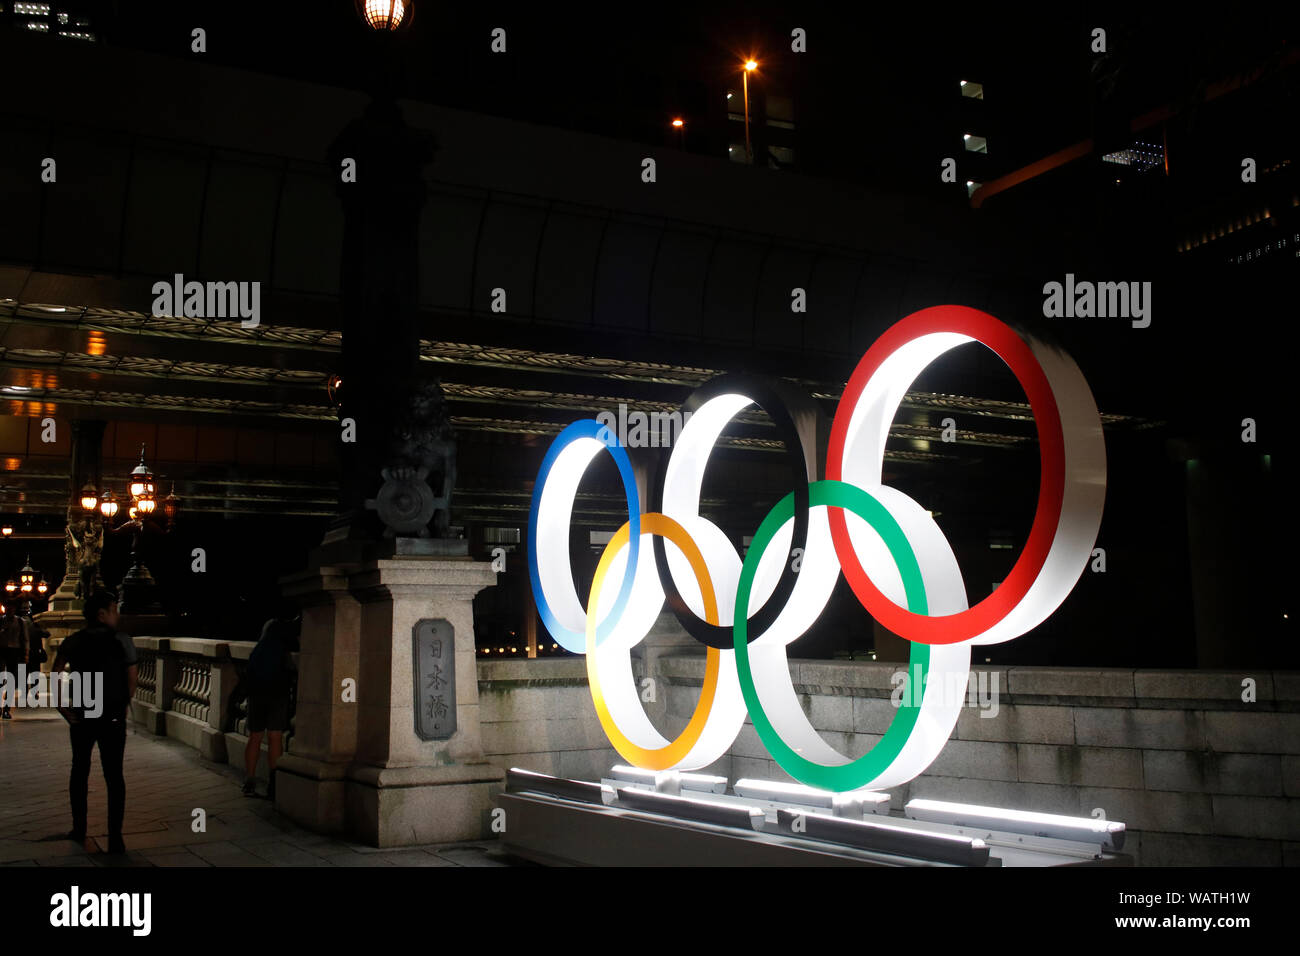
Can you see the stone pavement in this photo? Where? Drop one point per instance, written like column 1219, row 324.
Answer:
column 165, row 782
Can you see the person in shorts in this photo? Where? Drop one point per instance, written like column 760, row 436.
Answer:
column 269, row 678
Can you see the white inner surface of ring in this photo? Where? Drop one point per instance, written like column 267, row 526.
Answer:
column 613, row 662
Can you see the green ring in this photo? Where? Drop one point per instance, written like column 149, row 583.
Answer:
column 857, row 773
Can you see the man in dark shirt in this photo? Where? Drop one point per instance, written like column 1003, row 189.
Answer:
column 99, row 649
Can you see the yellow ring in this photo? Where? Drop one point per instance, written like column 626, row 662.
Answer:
column 664, row 757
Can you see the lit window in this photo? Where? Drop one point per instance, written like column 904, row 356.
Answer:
column 78, row 36
column 33, row 9
column 38, row 27
column 975, row 144
column 974, row 90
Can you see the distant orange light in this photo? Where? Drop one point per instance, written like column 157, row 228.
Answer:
column 678, row 123
column 751, row 65
column 13, row 464
column 96, row 344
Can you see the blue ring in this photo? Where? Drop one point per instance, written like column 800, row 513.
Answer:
column 570, row 640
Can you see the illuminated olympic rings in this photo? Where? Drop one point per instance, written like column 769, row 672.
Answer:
column 893, row 554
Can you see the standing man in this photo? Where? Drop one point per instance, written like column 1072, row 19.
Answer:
column 13, row 651
column 100, row 649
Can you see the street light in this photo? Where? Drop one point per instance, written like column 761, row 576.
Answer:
column 27, row 577
column 7, row 530
column 171, row 504
column 386, row 16
column 89, row 498
column 137, row 590
column 750, row 66
column 140, row 483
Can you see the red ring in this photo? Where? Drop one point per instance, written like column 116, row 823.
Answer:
column 1015, row 351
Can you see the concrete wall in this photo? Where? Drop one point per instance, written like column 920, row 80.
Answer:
column 1199, row 777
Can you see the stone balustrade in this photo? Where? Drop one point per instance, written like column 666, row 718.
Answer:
column 184, row 690
column 1200, row 773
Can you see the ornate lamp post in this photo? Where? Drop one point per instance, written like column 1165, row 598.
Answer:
column 379, row 283
column 137, row 593
column 27, row 588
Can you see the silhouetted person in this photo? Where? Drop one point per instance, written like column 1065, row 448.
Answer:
column 13, row 651
column 99, row 648
column 269, row 678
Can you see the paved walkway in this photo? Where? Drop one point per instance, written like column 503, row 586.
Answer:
column 165, row 782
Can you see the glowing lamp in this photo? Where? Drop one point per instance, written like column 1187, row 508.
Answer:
column 146, row 505
column 386, row 16
column 678, row 123
column 43, row 586
column 11, row 586
column 108, row 505
column 140, row 482
column 751, row 66
column 7, row 530
column 89, row 498
column 171, row 504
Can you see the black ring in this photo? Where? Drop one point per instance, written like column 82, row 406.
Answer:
column 801, row 425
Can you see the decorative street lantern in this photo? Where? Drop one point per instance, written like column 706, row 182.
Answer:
column 140, row 483
column 137, row 592
column 386, row 16
column 27, row 577
column 89, row 498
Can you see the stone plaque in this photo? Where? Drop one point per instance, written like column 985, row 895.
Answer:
column 433, row 654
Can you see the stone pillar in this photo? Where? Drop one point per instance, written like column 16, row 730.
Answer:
column 224, row 678
column 379, row 287
column 402, row 789
column 310, row 779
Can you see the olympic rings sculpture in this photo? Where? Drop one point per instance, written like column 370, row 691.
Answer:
column 892, row 553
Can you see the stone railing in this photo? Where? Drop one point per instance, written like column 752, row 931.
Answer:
column 185, row 689
column 147, row 680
